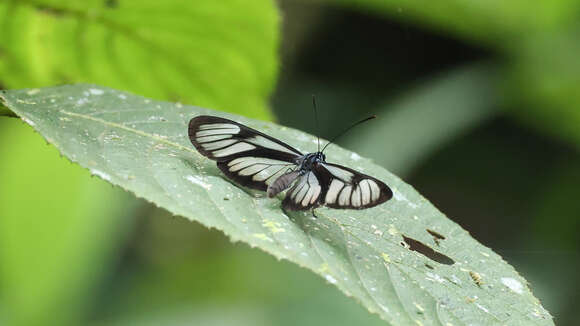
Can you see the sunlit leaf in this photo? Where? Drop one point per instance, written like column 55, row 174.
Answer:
column 403, row 260
column 212, row 53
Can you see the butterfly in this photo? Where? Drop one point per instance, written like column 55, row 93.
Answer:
column 258, row 161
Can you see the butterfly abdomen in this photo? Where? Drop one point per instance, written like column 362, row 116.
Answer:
column 282, row 183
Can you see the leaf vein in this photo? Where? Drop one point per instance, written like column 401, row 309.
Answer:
column 129, row 129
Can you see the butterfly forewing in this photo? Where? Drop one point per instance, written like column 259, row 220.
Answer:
column 245, row 155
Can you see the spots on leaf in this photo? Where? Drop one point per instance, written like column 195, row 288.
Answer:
column 476, row 278
column 418, row 246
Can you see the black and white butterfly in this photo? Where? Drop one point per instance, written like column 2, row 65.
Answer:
column 261, row 162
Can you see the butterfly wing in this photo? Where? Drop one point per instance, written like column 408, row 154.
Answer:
column 245, row 155
column 305, row 193
column 343, row 187
column 336, row 186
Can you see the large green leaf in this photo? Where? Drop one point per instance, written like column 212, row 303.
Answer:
column 211, row 53
column 403, row 260
column 52, row 229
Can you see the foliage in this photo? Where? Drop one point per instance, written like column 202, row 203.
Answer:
column 536, row 46
column 59, row 239
column 203, row 52
column 55, row 238
column 403, row 260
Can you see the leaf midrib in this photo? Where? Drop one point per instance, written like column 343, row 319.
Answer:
column 129, row 129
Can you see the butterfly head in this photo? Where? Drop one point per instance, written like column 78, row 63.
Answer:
column 309, row 161
column 319, row 157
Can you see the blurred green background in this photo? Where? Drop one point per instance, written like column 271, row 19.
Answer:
column 478, row 105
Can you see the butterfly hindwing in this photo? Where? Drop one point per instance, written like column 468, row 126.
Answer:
column 245, row 155
column 346, row 188
column 305, row 193
column 254, row 172
column 336, row 186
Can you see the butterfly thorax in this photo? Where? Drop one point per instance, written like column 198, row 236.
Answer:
column 310, row 160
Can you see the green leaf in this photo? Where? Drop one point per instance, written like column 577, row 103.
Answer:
column 212, row 53
column 391, row 258
column 546, row 82
column 52, row 229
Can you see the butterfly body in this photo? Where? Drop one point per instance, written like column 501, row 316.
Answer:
column 310, row 160
column 305, row 164
column 261, row 162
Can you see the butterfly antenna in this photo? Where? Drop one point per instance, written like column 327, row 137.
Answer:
column 347, row 129
column 316, row 119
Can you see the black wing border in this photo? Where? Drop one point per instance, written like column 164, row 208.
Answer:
column 245, row 133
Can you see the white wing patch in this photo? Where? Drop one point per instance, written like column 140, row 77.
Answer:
column 210, row 146
column 207, row 139
column 253, row 169
column 306, row 190
column 342, row 192
column 267, row 143
column 218, row 138
column 365, row 190
column 344, row 196
column 261, row 169
column 218, row 126
column 221, row 140
column 236, row 148
column 374, row 189
column 333, row 190
column 355, row 197
column 232, row 130
column 343, row 175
